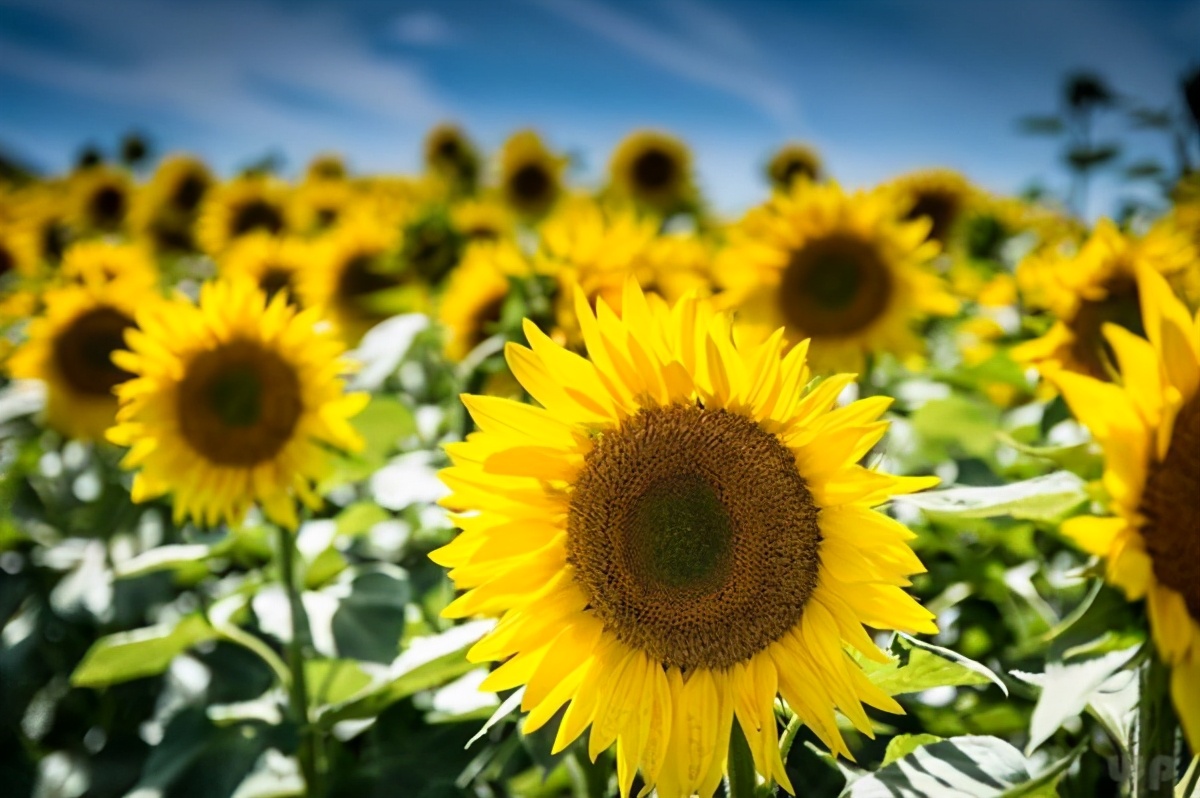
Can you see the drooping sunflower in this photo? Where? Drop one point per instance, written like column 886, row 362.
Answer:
column 1098, row 286
column 450, row 155
column 273, row 263
column 234, row 401
column 530, row 174
column 940, row 195
column 100, row 262
column 244, row 205
column 1149, row 428
column 680, row 533
column 70, row 347
column 100, row 199
column 653, row 169
column 475, row 294
column 841, row 269
column 793, row 162
column 356, row 279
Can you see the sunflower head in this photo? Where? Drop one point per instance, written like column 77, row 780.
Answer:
column 273, row 264
column 317, row 206
column 941, row 196
column 1148, row 424
column 451, row 155
column 678, row 534
column 356, row 278
column 652, row 169
column 42, row 218
column 482, row 219
column 164, row 210
column 70, row 348
column 473, row 303
column 325, row 166
column 234, row 401
column 100, row 200
column 793, row 162
column 102, row 262
column 531, row 176
column 19, row 257
column 432, row 245
column 244, row 205
column 842, row 269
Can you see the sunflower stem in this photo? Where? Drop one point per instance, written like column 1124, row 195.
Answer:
column 1154, row 756
column 296, row 648
column 741, row 781
column 789, row 737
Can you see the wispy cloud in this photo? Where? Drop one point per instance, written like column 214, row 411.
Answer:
column 422, row 28
column 705, row 47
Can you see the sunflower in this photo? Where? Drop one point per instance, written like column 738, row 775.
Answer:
column 356, row 279
column 1098, row 286
column 100, row 200
column 164, row 210
column 247, row 204
column 234, row 401
column 325, row 166
column 652, row 169
column 18, row 253
column 678, row 535
column 432, row 245
column 102, row 262
column 940, row 195
column 482, row 219
column 793, row 162
column 70, row 348
column 1149, row 428
column 317, row 205
column 450, row 155
column 274, row 264
column 841, row 269
column 530, row 175
column 476, row 293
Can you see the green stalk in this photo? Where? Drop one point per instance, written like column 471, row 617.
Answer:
column 1154, row 755
column 301, row 642
column 741, row 782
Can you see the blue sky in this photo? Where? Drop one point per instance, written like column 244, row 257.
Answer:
column 879, row 86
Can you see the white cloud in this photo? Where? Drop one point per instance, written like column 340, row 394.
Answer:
column 426, row 28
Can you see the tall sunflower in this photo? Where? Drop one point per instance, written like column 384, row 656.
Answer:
column 1149, row 428
column 70, row 348
column 451, row 155
column 841, row 269
column 273, row 263
column 234, row 401
column 678, row 535
column 653, row 169
column 1098, row 286
column 102, row 262
column 940, row 195
column 476, row 292
column 531, row 178
column 244, row 205
column 100, row 200
column 793, row 162
column 356, row 279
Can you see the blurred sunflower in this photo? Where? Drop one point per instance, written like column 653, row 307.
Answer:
column 1149, row 428
column 530, row 175
column 652, row 169
column 431, row 244
column 106, row 262
column 678, row 264
column 482, row 219
column 325, row 166
column 476, row 292
column 793, row 162
column 233, row 401
column 451, row 155
column 70, row 348
column 244, row 205
column 273, row 263
column 317, row 205
column 1098, row 286
column 940, row 195
column 18, row 253
column 164, row 210
column 842, row 269
column 678, row 535
column 356, row 280
column 100, row 200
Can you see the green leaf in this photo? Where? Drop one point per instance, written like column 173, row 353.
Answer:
column 162, row 558
column 918, row 666
column 383, row 424
column 142, row 652
column 965, row 767
column 1067, row 689
column 370, row 619
column 508, row 707
column 1080, row 458
column 331, row 681
column 360, row 517
column 956, row 426
column 1047, row 498
column 902, row 745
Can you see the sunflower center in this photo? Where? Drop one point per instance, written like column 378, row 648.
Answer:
column 107, row 206
column 942, row 210
column 1169, row 503
column 654, row 169
column 834, row 286
column 360, row 278
column 188, row 193
column 693, row 536
column 795, row 169
column 256, row 215
column 326, row 217
column 7, row 261
column 1121, row 306
column 53, row 240
column 83, row 351
column 239, row 404
column 530, row 183
column 275, row 279
column 487, row 317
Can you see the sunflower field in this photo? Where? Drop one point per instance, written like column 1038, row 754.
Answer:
column 488, row 482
